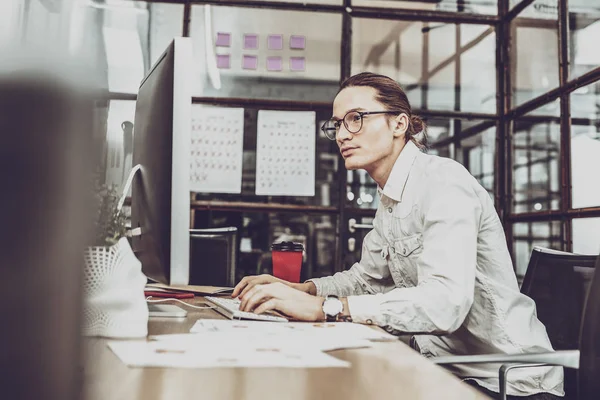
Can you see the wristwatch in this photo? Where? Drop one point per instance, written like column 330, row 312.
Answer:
column 332, row 308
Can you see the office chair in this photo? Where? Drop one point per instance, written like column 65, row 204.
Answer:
column 558, row 283
column 563, row 273
column 213, row 256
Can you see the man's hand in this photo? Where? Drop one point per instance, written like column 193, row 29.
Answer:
column 283, row 298
column 248, row 282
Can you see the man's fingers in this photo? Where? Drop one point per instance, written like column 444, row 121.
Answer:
column 256, row 280
column 247, row 296
column 258, row 297
column 241, row 285
column 249, row 287
column 271, row 304
column 238, row 288
column 248, row 282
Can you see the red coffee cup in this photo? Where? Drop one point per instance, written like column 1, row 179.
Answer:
column 287, row 260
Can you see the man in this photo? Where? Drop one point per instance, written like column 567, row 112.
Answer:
column 436, row 263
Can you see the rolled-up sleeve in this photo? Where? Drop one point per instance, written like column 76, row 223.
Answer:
column 369, row 276
column 442, row 298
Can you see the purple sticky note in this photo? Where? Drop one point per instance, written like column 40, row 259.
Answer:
column 297, row 42
column 223, row 39
column 223, row 61
column 250, row 41
column 249, row 62
column 297, row 63
column 275, row 42
column 274, row 64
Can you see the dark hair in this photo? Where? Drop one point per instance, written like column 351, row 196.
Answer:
column 391, row 95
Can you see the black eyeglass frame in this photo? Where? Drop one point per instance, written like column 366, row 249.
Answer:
column 338, row 123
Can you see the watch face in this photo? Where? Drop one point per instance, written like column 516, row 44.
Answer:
column 332, row 306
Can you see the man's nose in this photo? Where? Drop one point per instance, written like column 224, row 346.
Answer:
column 343, row 134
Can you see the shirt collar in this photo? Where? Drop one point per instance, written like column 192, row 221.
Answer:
column 394, row 187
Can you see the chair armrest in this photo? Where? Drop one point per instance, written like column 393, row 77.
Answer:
column 503, row 374
column 565, row 358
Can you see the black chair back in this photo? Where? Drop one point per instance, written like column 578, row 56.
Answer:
column 558, row 283
column 589, row 362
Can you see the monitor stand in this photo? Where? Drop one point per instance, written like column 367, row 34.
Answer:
column 166, row 310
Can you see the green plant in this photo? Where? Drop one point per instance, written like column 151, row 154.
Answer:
column 109, row 222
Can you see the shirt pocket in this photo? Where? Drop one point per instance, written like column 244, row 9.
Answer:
column 408, row 245
column 405, row 221
column 403, row 210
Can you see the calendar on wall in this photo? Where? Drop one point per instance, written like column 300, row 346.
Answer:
column 216, row 149
column 285, row 153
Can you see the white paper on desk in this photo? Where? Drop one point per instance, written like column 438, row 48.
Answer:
column 335, row 330
column 217, row 149
column 206, row 355
column 292, row 341
column 285, row 153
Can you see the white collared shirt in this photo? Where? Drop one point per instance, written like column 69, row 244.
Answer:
column 436, row 264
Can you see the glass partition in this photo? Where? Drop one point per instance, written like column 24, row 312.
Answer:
column 115, row 124
column 266, row 54
column 166, row 23
column 124, row 38
column 11, row 20
column 584, row 31
column 586, row 235
column 478, row 153
column 434, row 62
column 536, row 163
column 326, row 165
column 534, row 35
column 304, row 2
column 464, row 6
column 585, row 146
column 257, row 231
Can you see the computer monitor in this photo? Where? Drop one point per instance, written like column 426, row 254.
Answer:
column 160, row 198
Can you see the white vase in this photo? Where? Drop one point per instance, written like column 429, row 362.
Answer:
column 114, row 301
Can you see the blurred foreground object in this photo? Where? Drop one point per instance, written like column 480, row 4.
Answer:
column 45, row 126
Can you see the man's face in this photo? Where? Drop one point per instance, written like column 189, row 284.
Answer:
column 372, row 144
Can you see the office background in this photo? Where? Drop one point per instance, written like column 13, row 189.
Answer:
column 508, row 88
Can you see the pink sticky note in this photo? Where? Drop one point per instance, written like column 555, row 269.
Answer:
column 297, row 42
column 249, row 62
column 297, row 63
column 223, row 61
column 275, row 42
column 223, row 39
column 250, row 41
column 274, row 64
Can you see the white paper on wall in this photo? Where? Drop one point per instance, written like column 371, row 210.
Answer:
column 285, row 153
column 217, row 149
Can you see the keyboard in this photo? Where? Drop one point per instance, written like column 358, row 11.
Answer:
column 231, row 309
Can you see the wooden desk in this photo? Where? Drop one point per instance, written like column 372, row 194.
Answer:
column 389, row 370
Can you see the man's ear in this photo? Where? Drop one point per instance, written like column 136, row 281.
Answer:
column 400, row 124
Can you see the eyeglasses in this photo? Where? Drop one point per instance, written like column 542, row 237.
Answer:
column 353, row 121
